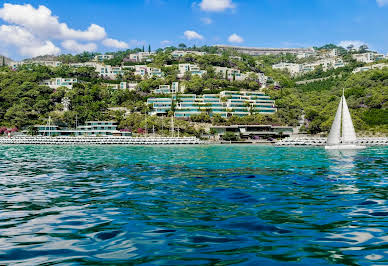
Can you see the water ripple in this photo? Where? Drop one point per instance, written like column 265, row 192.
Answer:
column 247, row 205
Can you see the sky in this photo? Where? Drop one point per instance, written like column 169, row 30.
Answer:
column 32, row 28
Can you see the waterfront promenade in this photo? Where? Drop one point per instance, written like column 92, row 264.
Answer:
column 314, row 141
column 39, row 140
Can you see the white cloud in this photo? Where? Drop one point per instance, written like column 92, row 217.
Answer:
column 356, row 44
column 74, row 46
column 192, row 35
column 207, row 21
column 42, row 23
column 216, row 5
column 165, row 42
column 381, row 3
column 234, row 38
column 114, row 43
column 26, row 42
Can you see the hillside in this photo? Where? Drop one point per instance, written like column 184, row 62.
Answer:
column 24, row 102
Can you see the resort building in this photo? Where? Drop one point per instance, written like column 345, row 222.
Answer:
column 121, row 86
column 167, row 89
column 301, row 55
column 254, row 51
column 144, row 71
column 298, row 69
column 190, row 68
column 255, row 132
column 293, row 69
column 102, row 57
column 366, row 68
column 368, row 57
column 227, row 103
column 55, row 83
column 139, row 57
column 108, row 71
column 92, row 128
column 179, row 53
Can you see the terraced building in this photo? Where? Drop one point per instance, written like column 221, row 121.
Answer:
column 226, row 104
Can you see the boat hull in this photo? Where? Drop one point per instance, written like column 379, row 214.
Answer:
column 345, row 147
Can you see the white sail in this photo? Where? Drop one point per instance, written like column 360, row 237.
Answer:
column 335, row 131
column 348, row 132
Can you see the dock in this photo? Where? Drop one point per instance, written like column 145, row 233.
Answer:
column 313, row 141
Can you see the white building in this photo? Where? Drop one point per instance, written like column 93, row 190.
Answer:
column 191, row 68
column 144, row 71
column 180, row 53
column 305, row 54
column 107, row 71
column 167, row 89
column 55, row 83
column 102, row 57
column 293, row 69
column 297, row 69
column 366, row 68
column 122, row 86
column 139, row 57
column 368, row 57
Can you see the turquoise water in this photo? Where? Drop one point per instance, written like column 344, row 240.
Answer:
column 194, row 205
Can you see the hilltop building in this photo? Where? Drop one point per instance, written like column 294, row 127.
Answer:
column 254, row 51
column 55, row 83
column 366, row 68
column 299, row 69
column 139, row 57
column 167, row 89
column 190, row 68
column 179, row 53
column 102, row 57
column 145, row 71
column 368, row 57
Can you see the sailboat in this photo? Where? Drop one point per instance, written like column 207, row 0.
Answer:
column 348, row 139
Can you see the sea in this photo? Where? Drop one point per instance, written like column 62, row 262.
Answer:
column 193, row 205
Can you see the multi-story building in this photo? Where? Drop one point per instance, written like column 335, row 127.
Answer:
column 102, row 57
column 92, row 128
column 293, row 69
column 180, row 53
column 298, row 69
column 227, row 103
column 139, row 57
column 108, row 71
column 190, row 68
column 122, row 86
column 229, row 73
column 55, row 83
column 254, row 51
column 144, row 71
column 366, row 68
column 368, row 57
column 48, row 63
column 167, row 89
column 301, row 55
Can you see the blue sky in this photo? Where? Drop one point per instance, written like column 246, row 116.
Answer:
column 122, row 23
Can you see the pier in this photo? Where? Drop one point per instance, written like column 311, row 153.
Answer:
column 311, row 141
column 45, row 140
